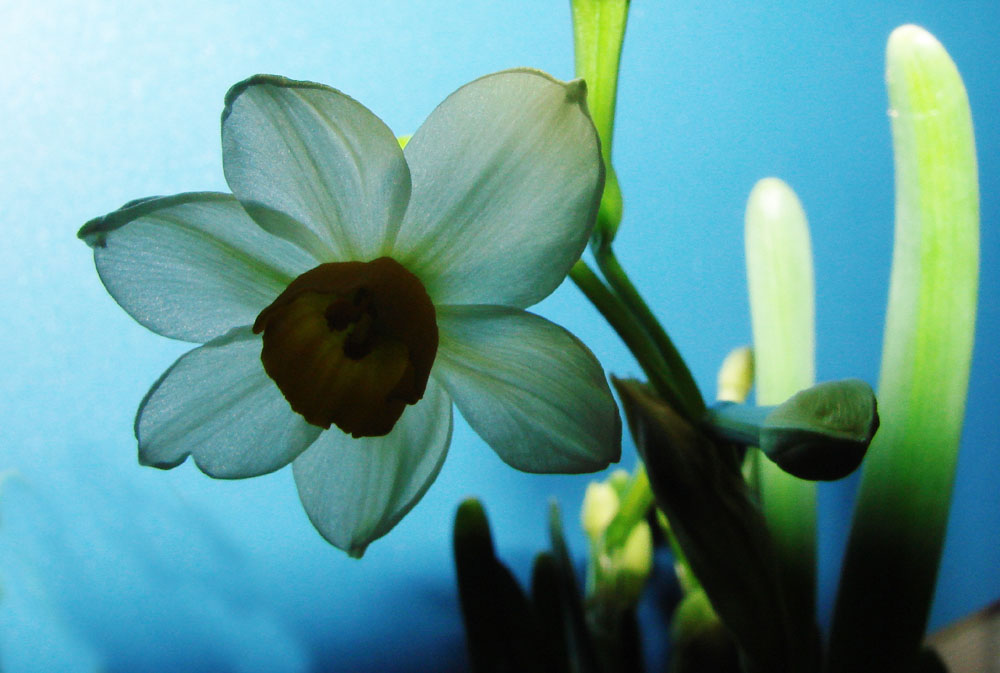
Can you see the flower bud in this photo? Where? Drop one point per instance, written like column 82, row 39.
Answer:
column 600, row 504
column 619, row 480
column 621, row 543
column 821, row 433
column 635, row 562
column 736, row 375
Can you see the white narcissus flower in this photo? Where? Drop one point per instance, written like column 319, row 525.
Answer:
column 348, row 292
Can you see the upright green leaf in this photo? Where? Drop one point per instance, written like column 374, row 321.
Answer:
column 782, row 306
column 580, row 650
column 899, row 525
column 500, row 626
column 554, row 615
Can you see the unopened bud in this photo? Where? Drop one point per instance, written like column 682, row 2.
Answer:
column 600, row 504
column 619, row 480
column 736, row 375
column 822, row 432
column 636, row 561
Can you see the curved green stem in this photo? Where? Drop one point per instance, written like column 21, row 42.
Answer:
column 631, row 332
column 692, row 404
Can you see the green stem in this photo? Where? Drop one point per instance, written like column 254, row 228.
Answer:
column 682, row 568
column 598, row 32
column 692, row 405
column 632, row 508
column 630, row 331
column 738, row 423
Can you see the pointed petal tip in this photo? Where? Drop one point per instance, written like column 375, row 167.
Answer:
column 576, row 91
column 159, row 464
column 92, row 234
column 355, row 491
column 354, row 548
column 502, row 224
column 236, row 90
column 216, row 404
column 330, row 172
column 95, row 231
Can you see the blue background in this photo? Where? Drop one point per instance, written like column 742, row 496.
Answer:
column 105, row 565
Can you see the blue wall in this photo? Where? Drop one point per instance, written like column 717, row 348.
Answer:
column 107, row 565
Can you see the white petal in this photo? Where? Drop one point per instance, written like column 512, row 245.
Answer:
column 507, row 177
column 217, row 404
column 529, row 388
column 320, row 158
column 356, row 490
column 191, row 266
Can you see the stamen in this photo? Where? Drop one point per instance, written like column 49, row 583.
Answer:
column 362, row 297
column 360, row 338
column 339, row 314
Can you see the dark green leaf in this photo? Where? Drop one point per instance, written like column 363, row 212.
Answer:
column 500, row 626
column 698, row 486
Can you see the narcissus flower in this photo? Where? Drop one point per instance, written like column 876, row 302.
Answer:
column 348, row 291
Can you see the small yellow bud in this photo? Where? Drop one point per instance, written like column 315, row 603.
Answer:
column 619, row 480
column 736, row 376
column 637, row 555
column 600, row 504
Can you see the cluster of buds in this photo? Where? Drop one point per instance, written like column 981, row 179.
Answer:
column 621, row 542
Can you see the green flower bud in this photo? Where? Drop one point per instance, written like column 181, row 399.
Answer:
column 821, row 433
column 635, row 562
column 621, row 549
column 618, row 575
column 702, row 644
column 619, row 480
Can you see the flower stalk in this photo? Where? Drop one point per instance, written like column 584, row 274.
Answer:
column 631, row 331
column 691, row 404
column 598, row 33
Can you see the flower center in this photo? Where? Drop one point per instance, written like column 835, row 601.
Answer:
column 351, row 344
